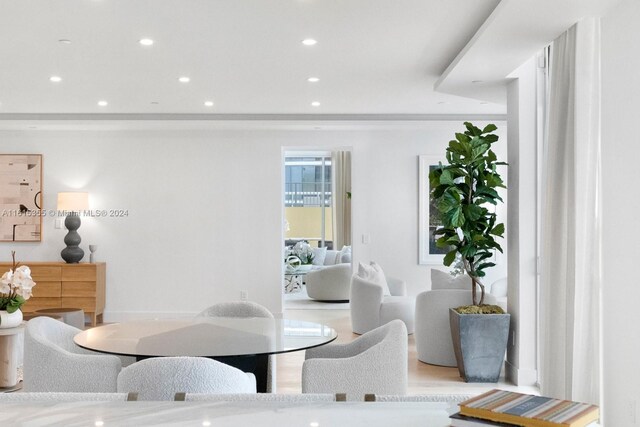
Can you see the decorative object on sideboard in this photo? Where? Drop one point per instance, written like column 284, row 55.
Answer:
column 72, row 203
column 20, row 197
column 15, row 289
column 461, row 190
column 92, row 249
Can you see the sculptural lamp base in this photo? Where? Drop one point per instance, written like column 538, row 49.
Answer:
column 72, row 254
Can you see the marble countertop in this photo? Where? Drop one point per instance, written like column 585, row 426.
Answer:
column 223, row 414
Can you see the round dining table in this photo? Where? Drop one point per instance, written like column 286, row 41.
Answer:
column 244, row 343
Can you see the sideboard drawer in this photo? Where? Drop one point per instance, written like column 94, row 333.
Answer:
column 34, row 304
column 78, row 289
column 79, row 273
column 45, row 273
column 87, row 304
column 47, row 289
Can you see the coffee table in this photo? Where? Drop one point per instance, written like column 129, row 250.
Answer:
column 244, row 343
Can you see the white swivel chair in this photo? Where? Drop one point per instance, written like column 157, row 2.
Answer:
column 433, row 332
column 160, row 378
column 332, row 283
column 245, row 309
column 54, row 363
column 376, row 363
column 370, row 308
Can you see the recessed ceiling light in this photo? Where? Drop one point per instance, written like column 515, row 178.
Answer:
column 313, row 80
column 155, row 103
column 206, row 423
column 315, row 104
column 103, row 103
column 55, row 79
column 99, row 423
column 309, row 42
column 208, row 103
column 65, row 41
column 145, row 42
column 483, row 103
column 477, row 81
column 314, row 424
column 184, row 79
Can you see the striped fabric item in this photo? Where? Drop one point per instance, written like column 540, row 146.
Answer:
column 530, row 411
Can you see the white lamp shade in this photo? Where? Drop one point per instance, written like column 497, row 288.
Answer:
column 73, row 201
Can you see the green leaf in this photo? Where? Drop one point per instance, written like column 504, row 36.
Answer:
column 489, row 128
column 485, row 265
column 472, row 129
column 456, row 217
column 491, row 156
column 491, row 138
column 464, row 139
column 446, row 178
column 498, row 230
column 449, row 258
column 473, row 212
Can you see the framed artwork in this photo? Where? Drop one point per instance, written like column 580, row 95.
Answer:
column 428, row 216
column 20, row 197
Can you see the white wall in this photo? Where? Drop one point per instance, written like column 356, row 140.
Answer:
column 205, row 207
column 621, row 207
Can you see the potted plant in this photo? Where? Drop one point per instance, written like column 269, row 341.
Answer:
column 463, row 190
column 15, row 289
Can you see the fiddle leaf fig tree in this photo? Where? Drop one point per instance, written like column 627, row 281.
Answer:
column 462, row 191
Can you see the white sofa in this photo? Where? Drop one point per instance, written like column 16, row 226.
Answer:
column 331, row 283
column 374, row 363
column 370, row 308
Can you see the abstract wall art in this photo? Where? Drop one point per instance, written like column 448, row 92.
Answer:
column 20, row 197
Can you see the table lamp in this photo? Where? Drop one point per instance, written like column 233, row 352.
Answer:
column 72, row 203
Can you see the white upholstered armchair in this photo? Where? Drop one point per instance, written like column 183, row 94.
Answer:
column 332, row 283
column 370, row 307
column 160, row 378
column 54, row 363
column 433, row 331
column 245, row 309
column 376, row 362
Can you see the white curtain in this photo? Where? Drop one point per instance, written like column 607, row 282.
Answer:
column 570, row 336
column 341, row 165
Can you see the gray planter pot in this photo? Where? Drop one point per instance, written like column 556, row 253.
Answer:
column 479, row 342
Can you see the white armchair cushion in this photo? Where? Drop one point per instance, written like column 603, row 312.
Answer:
column 160, row 378
column 345, row 255
column 54, row 363
column 444, row 280
column 373, row 273
column 348, row 368
column 319, row 255
column 332, row 257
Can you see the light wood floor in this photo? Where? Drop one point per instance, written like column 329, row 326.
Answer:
column 423, row 378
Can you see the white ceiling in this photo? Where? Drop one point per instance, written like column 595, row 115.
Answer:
column 372, row 56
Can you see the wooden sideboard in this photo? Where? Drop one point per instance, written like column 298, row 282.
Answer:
column 59, row 284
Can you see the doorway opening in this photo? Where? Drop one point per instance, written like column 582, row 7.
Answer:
column 317, row 228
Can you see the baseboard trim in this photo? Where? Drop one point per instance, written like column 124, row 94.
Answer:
column 523, row 377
